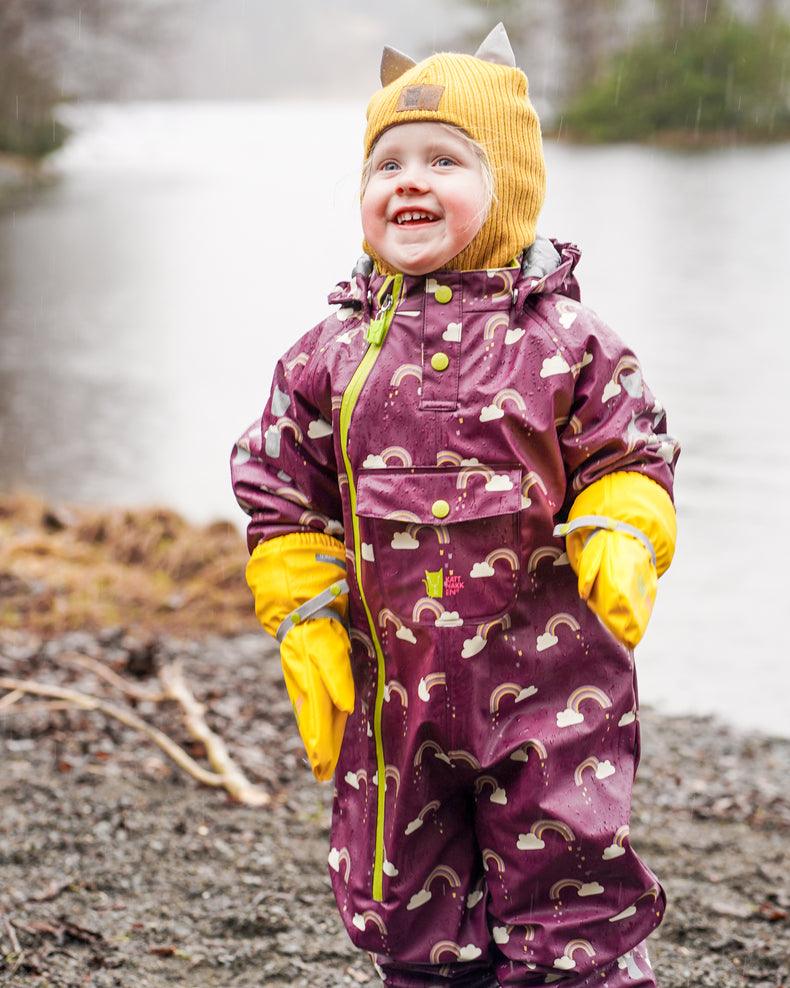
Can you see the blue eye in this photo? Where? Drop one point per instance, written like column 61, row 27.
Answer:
column 389, row 166
column 445, row 162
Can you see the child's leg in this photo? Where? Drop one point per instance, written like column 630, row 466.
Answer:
column 569, row 900
column 431, row 928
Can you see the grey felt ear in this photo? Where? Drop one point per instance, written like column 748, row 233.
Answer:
column 393, row 64
column 497, row 48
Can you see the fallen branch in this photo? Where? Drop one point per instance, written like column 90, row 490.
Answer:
column 234, row 779
column 31, row 707
column 10, row 699
column 11, row 933
column 235, row 782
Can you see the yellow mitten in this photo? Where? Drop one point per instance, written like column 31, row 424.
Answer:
column 620, row 537
column 301, row 597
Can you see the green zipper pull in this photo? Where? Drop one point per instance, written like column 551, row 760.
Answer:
column 377, row 330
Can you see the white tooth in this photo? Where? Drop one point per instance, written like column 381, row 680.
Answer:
column 410, row 216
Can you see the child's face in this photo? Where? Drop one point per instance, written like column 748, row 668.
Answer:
column 426, row 197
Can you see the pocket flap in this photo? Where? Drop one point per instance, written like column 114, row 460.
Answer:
column 437, row 495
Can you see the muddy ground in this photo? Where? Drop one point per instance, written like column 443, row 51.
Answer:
column 118, row 868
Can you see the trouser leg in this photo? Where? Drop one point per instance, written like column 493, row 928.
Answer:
column 568, row 897
column 432, row 921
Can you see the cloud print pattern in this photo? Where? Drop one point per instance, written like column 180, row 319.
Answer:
column 481, row 818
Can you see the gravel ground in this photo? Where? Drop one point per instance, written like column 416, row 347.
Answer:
column 119, row 869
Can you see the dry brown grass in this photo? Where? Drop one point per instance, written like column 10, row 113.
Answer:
column 146, row 570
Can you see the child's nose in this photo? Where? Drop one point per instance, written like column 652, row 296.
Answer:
column 412, row 179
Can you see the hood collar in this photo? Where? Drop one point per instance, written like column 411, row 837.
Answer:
column 361, row 290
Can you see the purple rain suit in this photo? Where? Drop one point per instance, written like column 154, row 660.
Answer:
column 480, row 829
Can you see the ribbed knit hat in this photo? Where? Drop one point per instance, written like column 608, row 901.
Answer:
column 485, row 95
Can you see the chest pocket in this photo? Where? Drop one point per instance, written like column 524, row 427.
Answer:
column 441, row 545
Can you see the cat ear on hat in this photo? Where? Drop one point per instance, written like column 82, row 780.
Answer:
column 393, row 64
column 496, row 48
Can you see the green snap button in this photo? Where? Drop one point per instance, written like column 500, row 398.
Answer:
column 440, row 361
column 440, row 509
column 444, row 293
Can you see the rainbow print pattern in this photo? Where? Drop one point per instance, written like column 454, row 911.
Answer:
column 442, row 874
column 599, row 770
column 369, row 918
column 533, row 839
column 514, row 690
column 567, row 961
column 572, row 714
column 492, row 860
column 627, row 375
column 545, row 552
column 618, row 846
column 404, row 371
column 522, row 754
column 549, row 638
column 581, row 888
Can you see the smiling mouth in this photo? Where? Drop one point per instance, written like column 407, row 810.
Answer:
column 414, row 216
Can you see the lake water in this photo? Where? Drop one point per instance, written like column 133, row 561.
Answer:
column 145, row 297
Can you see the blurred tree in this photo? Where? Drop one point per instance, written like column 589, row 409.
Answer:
column 714, row 77
column 52, row 50
column 588, row 30
column 676, row 17
column 563, row 45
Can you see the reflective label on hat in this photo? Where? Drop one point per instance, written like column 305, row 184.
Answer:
column 419, row 98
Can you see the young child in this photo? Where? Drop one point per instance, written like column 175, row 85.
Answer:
column 481, row 453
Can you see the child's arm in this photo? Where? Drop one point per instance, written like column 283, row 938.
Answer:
column 620, row 536
column 620, row 529
column 285, row 477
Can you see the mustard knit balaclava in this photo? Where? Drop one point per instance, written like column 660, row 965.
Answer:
column 485, row 95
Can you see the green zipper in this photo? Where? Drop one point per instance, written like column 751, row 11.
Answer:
column 377, row 331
